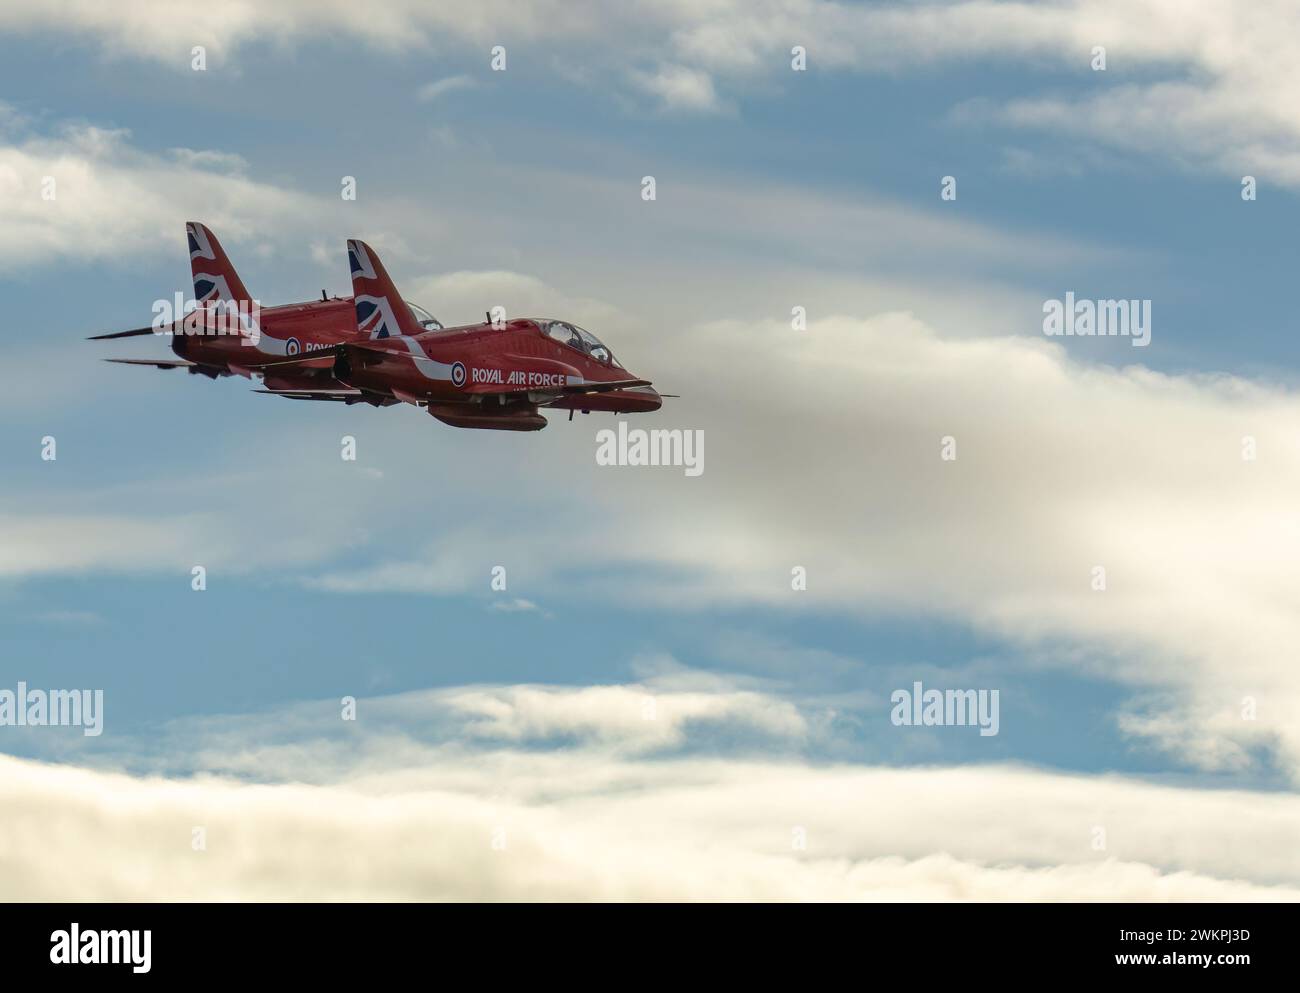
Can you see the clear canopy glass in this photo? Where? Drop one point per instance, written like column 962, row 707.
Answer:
column 426, row 320
column 576, row 337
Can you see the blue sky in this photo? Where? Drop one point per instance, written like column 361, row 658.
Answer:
column 775, row 189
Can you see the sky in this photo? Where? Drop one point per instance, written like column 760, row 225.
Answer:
column 650, row 709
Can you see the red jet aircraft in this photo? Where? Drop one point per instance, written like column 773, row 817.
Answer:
column 491, row 375
column 209, row 342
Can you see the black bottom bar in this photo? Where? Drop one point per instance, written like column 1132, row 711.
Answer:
column 1200, row 942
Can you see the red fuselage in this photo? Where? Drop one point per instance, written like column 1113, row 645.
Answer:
column 494, row 374
column 288, row 330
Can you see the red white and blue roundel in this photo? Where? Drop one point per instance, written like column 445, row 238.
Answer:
column 458, row 374
column 292, row 347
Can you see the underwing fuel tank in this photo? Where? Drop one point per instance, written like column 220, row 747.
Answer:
column 523, row 417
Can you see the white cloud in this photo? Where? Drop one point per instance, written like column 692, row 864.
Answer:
column 227, row 162
column 61, row 543
column 113, row 201
column 679, row 87
column 632, row 717
column 1200, row 85
column 166, row 30
column 598, row 821
column 1199, row 80
column 464, row 297
column 1129, row 469
column 1133, row 470
column 439, row 576
column 430, row 92
column 1062, row 466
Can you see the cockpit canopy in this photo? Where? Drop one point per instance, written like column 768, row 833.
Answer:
column 426, row 320
column 576, row 337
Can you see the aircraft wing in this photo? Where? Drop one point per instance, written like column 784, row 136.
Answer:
column 314, row 360
column 326, row 394
column 572, row 390
column 157, row 363
column 608, row 387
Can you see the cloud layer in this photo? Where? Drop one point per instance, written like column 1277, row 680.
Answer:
column 827, row 455
column 1204, row 85
column 1062, row 469
column 389, row 816
column 85, row 192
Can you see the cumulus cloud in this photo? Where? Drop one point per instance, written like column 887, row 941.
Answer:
column 86, row 192
column 824, row 452
column 1062, row 467
column 166, row 32
column 1210, row 79
column 600, row 820
column 1203, row 85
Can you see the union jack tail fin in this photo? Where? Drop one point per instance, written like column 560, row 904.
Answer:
column 381, row 311
column 214, row 277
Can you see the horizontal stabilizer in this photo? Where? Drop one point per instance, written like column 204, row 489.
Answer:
column 124, row 334
column 195, row 324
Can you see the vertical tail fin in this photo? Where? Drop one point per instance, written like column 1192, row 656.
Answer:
column 214, row 277
column 381, row 311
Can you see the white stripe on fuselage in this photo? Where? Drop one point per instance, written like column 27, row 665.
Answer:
column 429, row 368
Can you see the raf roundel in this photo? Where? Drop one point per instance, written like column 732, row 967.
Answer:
column 292, row 346
column 458, row 374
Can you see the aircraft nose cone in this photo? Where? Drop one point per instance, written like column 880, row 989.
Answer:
column 647, row 398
